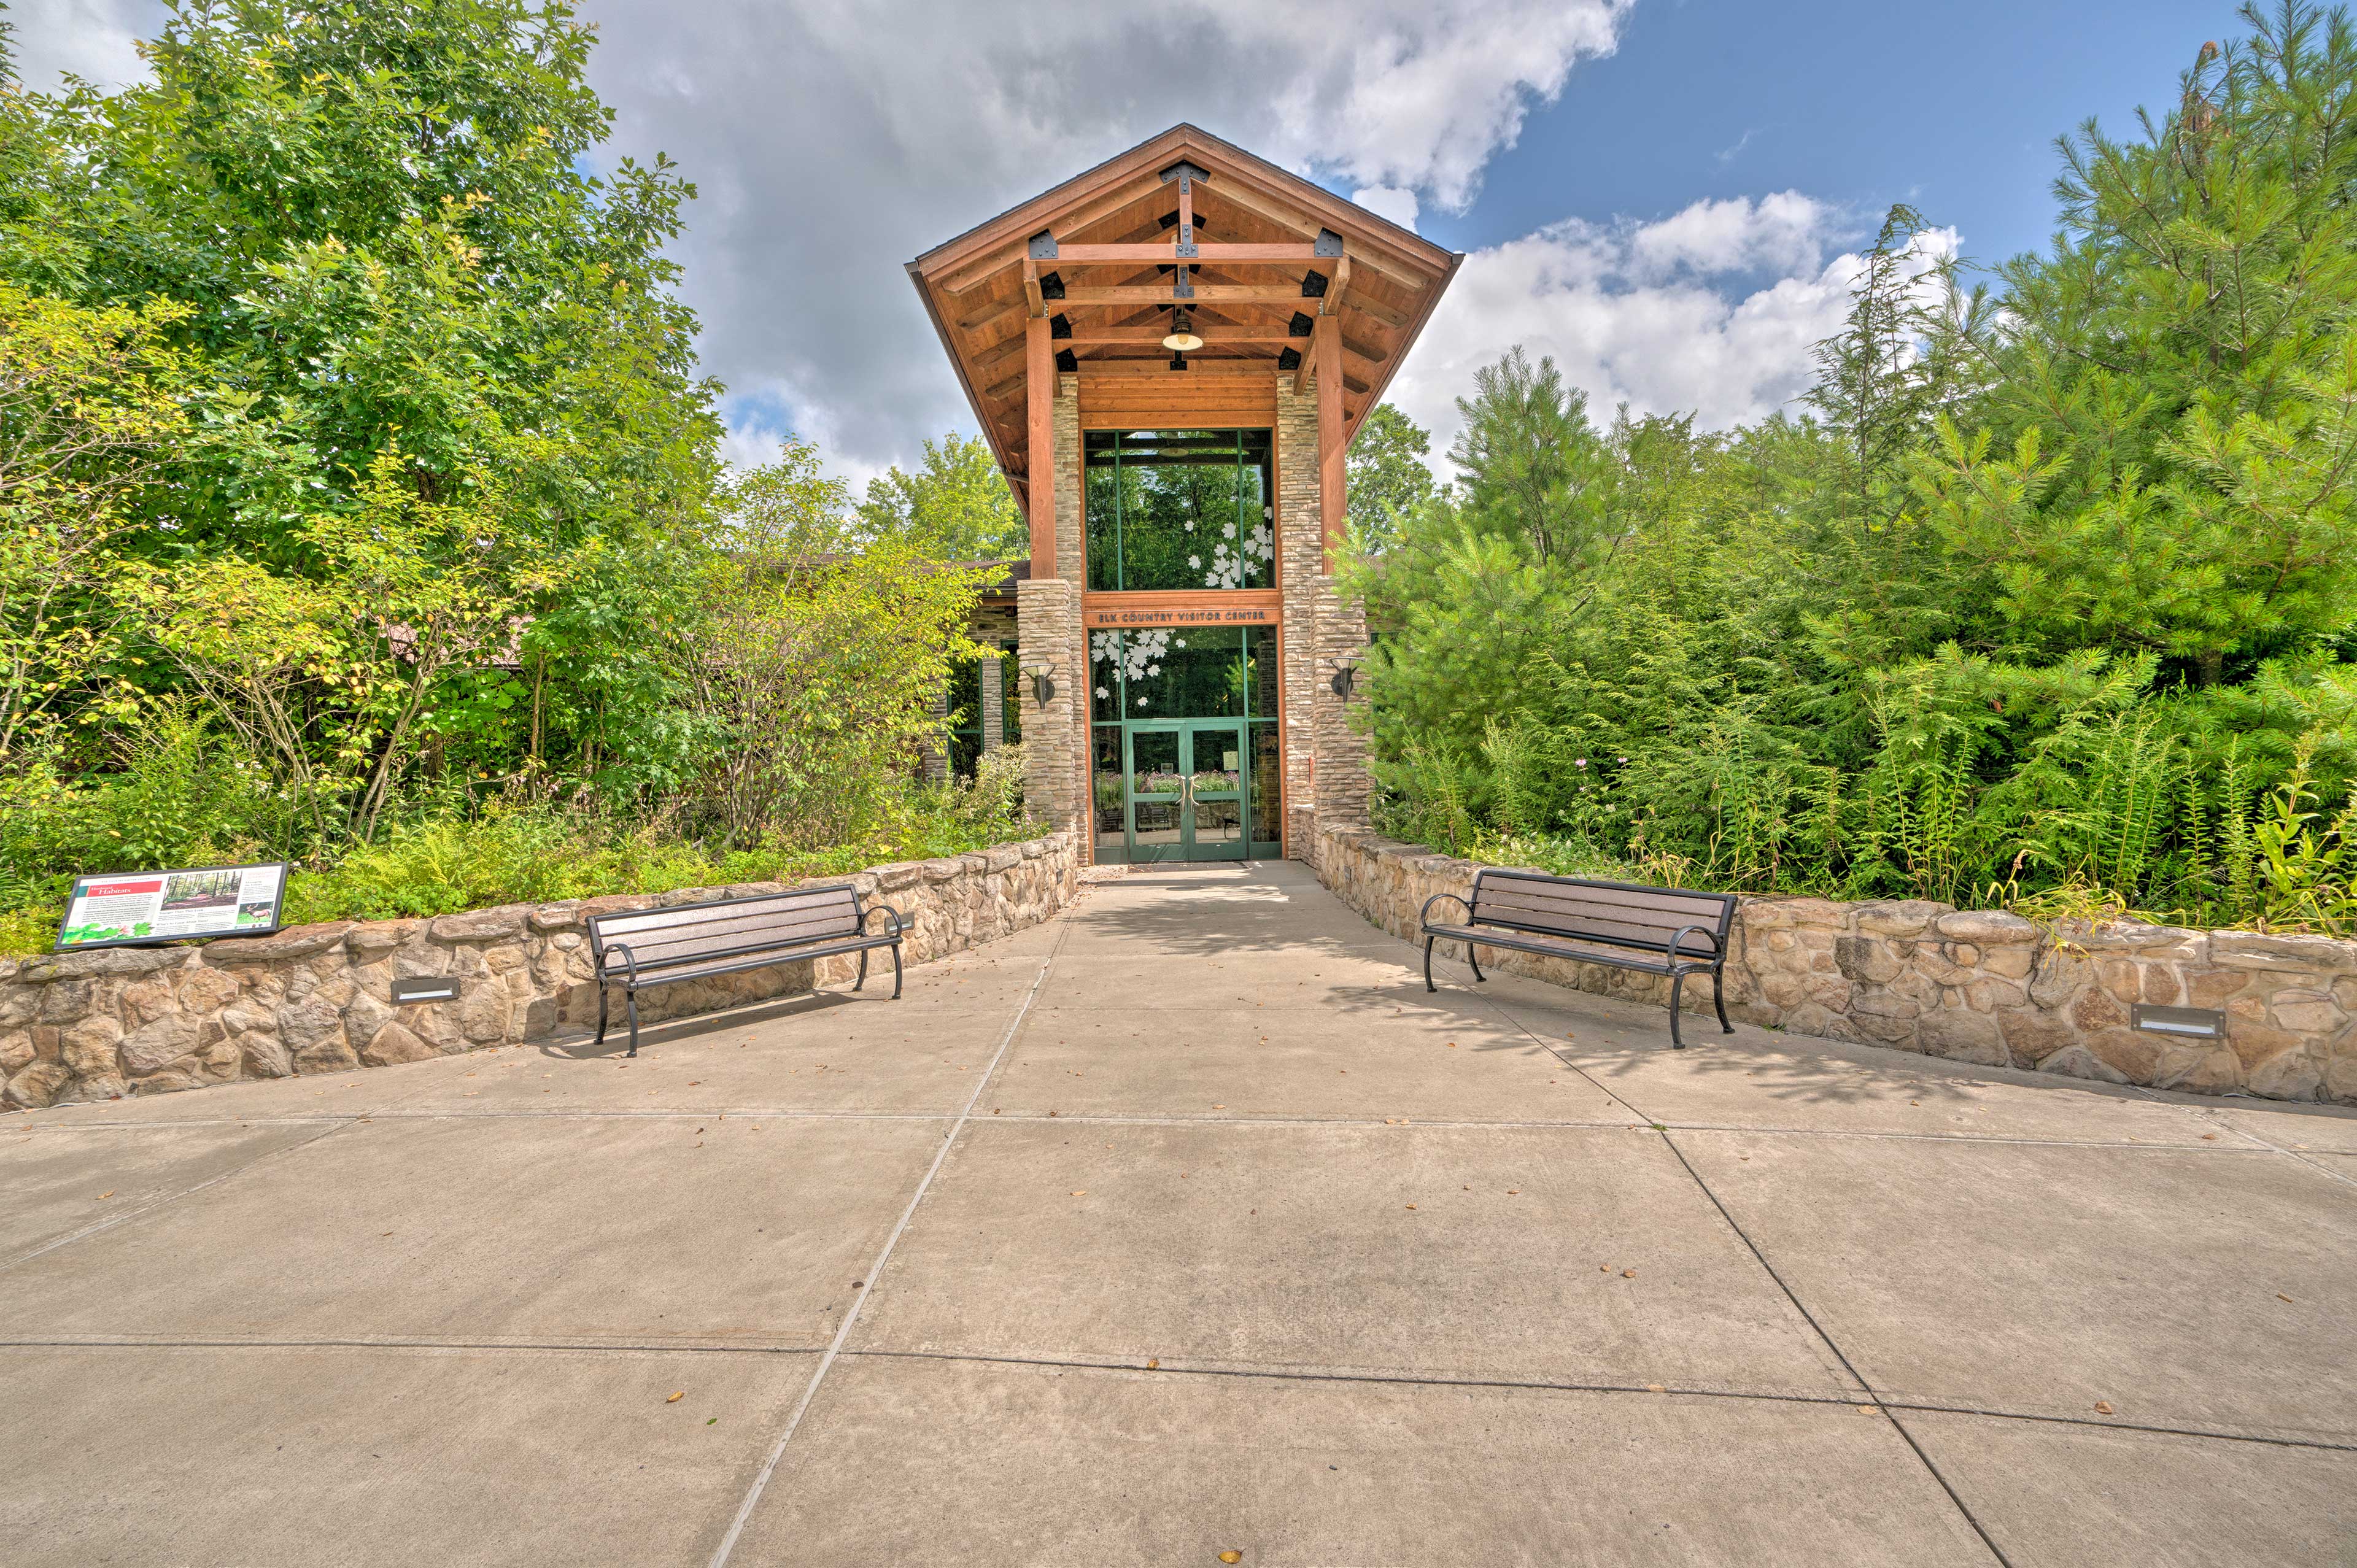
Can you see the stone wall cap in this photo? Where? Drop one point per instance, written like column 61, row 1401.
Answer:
column 942, row 869
column 372, row 937
column 900, row 873
column 1987, row 928
column 2271, row 949
column 1001, row 857
column 615, row 904
column 1772, row 910
column 2121, row 936
column 1901, row 917
column 564, row 915
column 44, row 968
column 481, row 925
column 295, row 942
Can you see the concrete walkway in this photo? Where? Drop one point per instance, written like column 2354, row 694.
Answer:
column 1187, row 1224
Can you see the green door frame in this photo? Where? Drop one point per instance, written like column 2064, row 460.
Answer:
column 1228, row 733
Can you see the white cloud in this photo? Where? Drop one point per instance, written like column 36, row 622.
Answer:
column 1388, row 202
column 94, row 39
column 832, row 140
column 835, row 139
column 1713, row 309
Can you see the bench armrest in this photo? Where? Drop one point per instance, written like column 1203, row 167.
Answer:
column 1423, row 916
column 1677, row 940
column 899, row 921
column 630, row 960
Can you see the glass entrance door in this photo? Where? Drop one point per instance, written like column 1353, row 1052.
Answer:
column 1187, row 783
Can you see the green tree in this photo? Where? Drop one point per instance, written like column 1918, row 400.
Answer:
column 956, row 506
column 388, row 269
column 1535, row 467
column 2163, row 460
column 1387, row 474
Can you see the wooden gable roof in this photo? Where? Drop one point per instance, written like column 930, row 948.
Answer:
column 1097, row 255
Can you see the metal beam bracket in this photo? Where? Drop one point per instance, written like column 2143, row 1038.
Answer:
column 1060, row 325
column 1300, row 326
column 1182, row 170
column 1052, row 285
column 1330, row 243
column 1067, row 361
column 1313, row 285
column 1043, row 246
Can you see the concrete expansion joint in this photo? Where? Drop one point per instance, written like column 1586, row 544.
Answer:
column 1851, row 1399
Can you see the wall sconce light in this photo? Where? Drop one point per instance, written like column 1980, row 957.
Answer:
column 1043, row 683
column 1344, row 677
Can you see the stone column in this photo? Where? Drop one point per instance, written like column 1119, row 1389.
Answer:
column 1299, row 563
column 1342, row 784
column 1054, row 759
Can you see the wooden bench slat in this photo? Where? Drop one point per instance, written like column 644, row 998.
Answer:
column 1662, row 920
column 1525, row 889
column 689, row 916
column 1573, row 925
column 1490, row 935
column 732, row 933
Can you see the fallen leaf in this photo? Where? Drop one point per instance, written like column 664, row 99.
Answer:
column 1866, row 1409
column 2102, row 1407
column 1655, row 1388
column 1152, row 1362
column 714, row 1422
column 1514, row 1192
column 1606, row 1268
column 108, row 1193
column 1082, row 1193
column 677, row 1397
column 1231, row 1556
column 2280, row 1296
column 1410, row 1206
column 1628, row 1274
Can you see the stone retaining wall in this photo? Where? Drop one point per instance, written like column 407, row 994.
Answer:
column 1979, row 986
column 95, row 1026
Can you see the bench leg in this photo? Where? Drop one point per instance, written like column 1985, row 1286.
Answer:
column 1427, row 965
column 601, row 1012
column 1719, row 1000
column 1473, row 958
column 1677, row 985
column 896, row 971
column 631, row 1001
column 863, row 971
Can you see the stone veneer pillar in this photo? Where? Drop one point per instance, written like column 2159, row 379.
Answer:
column 993, row 700
column 1298, row 546
column 1326, row 754
column 1047, row 618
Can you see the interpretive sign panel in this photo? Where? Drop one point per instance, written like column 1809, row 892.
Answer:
column 126, row 909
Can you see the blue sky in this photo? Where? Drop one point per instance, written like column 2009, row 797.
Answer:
column 1953, row 107
column 1663, row 195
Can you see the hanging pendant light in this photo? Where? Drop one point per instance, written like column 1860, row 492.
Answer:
column 1181, row 338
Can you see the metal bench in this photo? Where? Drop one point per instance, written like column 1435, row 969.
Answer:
column 1667, row 932
column 646, row 948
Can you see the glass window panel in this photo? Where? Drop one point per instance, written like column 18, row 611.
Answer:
column 1179, row 508
column 1105, row 781
column 1166, row 672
